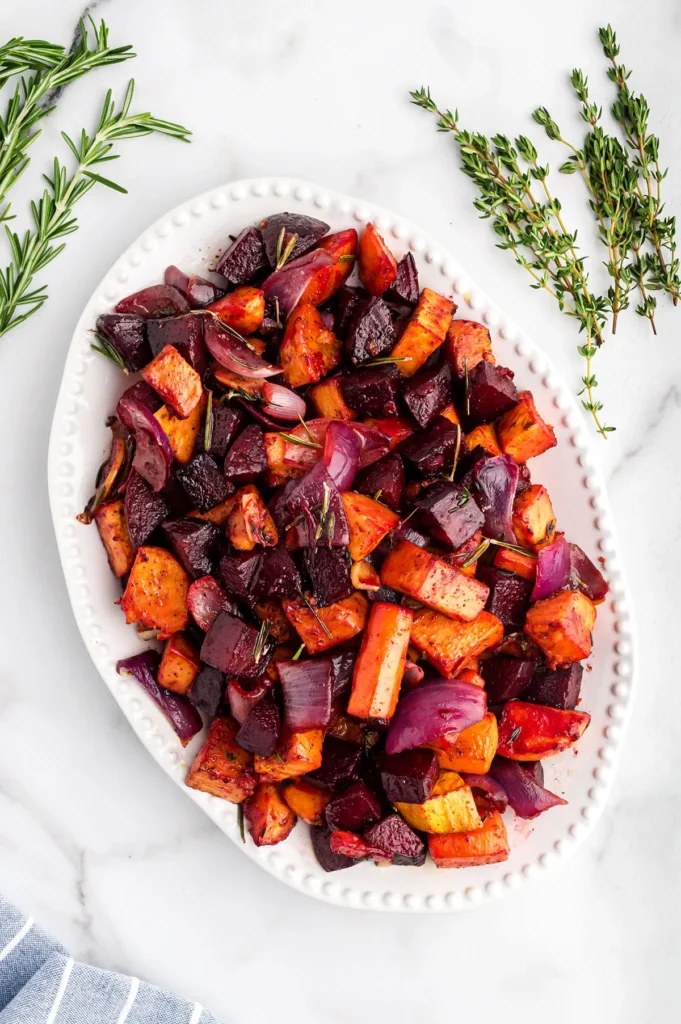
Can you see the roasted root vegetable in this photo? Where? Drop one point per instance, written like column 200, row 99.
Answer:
column 529, row 732
column 377, row 265
column 182, row 433
column 471, row 750
column 270, row 819
column 380, row 663
column 516, row 562
column 156, row 593
column 369, row 522
column 172, row 377
column 306, row 801
column 432, row 581
column 243, row 309
column 534, row 521
column 321, row 628
column 180, row 664
column 449, row 808
column 562, row 626
column 327, row 399
column 468, row 343
column 522, row 432
column 113, row 529
column 249, row 521
column 298, row 754
column 309, row 350
column 221, row 767
column 485, row 845
column 342, row 246
column 425, row 332
column 484, row 436
column 449, row 645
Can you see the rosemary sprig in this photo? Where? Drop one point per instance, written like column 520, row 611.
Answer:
column 303, row 441
column 284, row 248
column 20, row 55
column 53, row 214
column 486, row 542
column 105, row 348
column 260, row 641
column 208, row 429
column 241, row 822
column 458, row 439
column 312, row 608
column 384, row 360
column 298, row 652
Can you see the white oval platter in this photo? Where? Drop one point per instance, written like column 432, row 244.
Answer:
column 190, row 236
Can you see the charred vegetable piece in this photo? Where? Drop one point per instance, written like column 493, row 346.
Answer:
column 270, row 819
column 246, row 458
column 144, row 510
column 159, row 300
column 172, row 377
column 405, row 288
column 557, row 689
column 226, row 422
column 221, row 767
column 529, row 732
column 408, row 777
column 485, row 845
column 327, row 280
column 203, row 482
column 128, row 336
column 340, row 764
column 585, row 576
column 468, row 344
column 156, row 592
column 329, row 572
column 522, row 432
column 243, row 309
column 432, row 451
column 372, row 392
column 180, row 664
column 534, row 521
column 322, row 628
column 424, row 333
column 509, row 596
column 195, row 543
column 244, row 258
column 370, row 332
column 485, row 437
column 490, row 393
column 562, row 626
column 249, row 522
column 277, row 575
column 377, row 265
column 506, row 678
column 448, row 645
column 521, row 565
column 297, row 754
column 185, row 334
column 327, row 399
column 230, row 647
column 450, row 513
column 208, row 690
column 471, row 750
column 428, row 393
column 328, row 860
column 308, row 231
column 307, row 801
column 450, row 808
column 433, row 582
column 380, row 663
column 383, row 481
column 113, row 530
column 309, row 350
column 354, row 809
column 259, row 732
column 369, row 522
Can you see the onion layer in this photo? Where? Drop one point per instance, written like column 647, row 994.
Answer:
column 342, row 446
column 282, row 403
column 432, row 709
column 153, row 455
column 307, row 688
column 525, row 795
column 183, row 716
column 553, row 568
column 229, row 351
column 496, row 480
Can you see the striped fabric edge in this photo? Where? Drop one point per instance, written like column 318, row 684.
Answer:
column 129, row 1002
column 20, row 935
column 52, row 1015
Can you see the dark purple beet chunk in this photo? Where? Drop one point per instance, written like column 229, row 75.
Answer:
column 203, row 482
column 245, row 257
column 450, row 513
column 400, row 842
column 491, row 392
column 308, row 229
column 343, row 664
column 405, row 288
column 144, row 510
column 127, row 335
column 354, row 809
column 207, row 690
column 432, row 451
column 408, row 531
column 246, row 458
column 230, row 647
column 371, row 331
column 585, row 576
column 175, row 496
column 505, row 678
column 225, row 426
column 346, row 303
column 386, row 595
column 196, row 543
column 260, row 731
column 239, row 570
column 277, row 575
column 340, row 764
column 509, row 596
column 329, row 572
column 184, row 333
column 408, row 777
column 159, row 300
column 328, row 860
column 465, row 470
column 559, row 689
column 428, row 393
column 385, row 476
column 372, row 392
column 140, row 392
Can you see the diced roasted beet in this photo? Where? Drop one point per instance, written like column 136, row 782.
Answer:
column 159, row 300
column 585, row 576
column 328, row 860
column 491, row 392
column 509, row 596
column 346, row 303
column 203, row 482
column 128, row 336
column 207, row 690
column 343, row 663
column 465, row 469
column 246, row 458
column 196, row 544
column 308, row 231
column 405, row 288
column 139, row 392
column 354, row 809
column 340, row 764
column 383, row 481
column 185, row 333
column 408, row 777
column 230, row 647
column 450, row 513
column 505, row 678
column 372, row 392
column 428, row 393
column 558, row 689
column 244, row 258
column 329, row 572
column 277, row 575
column 371, row 331
column 432, row 451
column 144, row 510
column 260, row 730
column 226, row 423
column 239, row 570
column 401, row 844
column 174, row 494
column 408, row 531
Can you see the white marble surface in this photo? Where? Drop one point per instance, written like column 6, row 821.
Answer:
column 94, row 840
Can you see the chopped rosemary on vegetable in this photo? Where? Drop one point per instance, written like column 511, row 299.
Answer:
column 300, row 440
column 208, row 429
column 260, row 641
column 298, row 652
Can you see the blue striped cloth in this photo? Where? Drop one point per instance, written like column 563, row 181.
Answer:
column 41, row 984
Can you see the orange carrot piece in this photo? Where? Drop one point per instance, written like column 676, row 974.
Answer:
column 270, row 819
column 243, row 309
column 342, row 246
column 182, row 433
column 328, row 401
column 249, row 522
column 449, row 412
column 306, row 800
column 297, row 754
column 515, row 561
column 432, row 581
column 468, row 343
column 471, row 750
column 221, row 767
column 534, row 520
column 522, row 432
column 486, row 436
column 530, row 732
column 379, row 666
column 486, row 845
column 309, row 350
column 377, row 265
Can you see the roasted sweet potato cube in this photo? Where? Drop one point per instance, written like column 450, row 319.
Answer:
column 534, row 520
column 522, row 432
column 309, row 350
column 484, row 436
column 180, row 664
column 113, row 530
column 468, row 343
column 419, row 574
column 449, row 412
column 221, row 767
column 449, row 645
column 219, row 514
column 307, row 801
column 182, row 433
column 425, row 332
column 562, row 625
column 377, row 265
column 156, row 593
column 321, row 628
column 530, row 732
column 243, row 309
column 342, row 246
column 379, row 666
column 279, row 469
column 515, row 561
column 369, row 522
column 249, row 521
column 450, row 808
column 327, row 399
column 297, row 754
column 175, row 380
column 270, row 819
column 485, row 845
column 471, row 750
column 395, row 428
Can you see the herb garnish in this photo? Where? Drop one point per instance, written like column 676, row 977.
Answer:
column 311, row 608
column 105, row 348
column 292, row 439
column 260, row 641
column 458, row 444
column 284, row 249
column 515, row 734
column 240, row 819
column 298, row 652
column 208, row 429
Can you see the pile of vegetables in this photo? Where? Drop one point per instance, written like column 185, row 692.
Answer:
column 318, row 498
